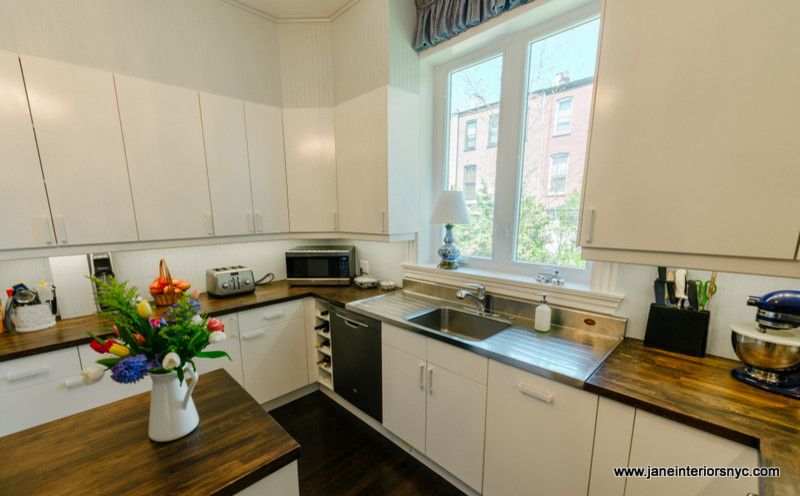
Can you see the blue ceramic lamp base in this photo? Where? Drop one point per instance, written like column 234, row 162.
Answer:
column 449, row 251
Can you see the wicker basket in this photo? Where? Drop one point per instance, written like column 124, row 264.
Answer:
column 169, row 296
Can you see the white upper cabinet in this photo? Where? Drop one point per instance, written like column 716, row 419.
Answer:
column 377, row 159
column 267, row 167
column 694, row 138
column 74, row 112
column 311, row 169
column 26, row 216
column 228, row 168
column 164, row 142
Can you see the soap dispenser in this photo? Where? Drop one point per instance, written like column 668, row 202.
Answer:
column 543, row 315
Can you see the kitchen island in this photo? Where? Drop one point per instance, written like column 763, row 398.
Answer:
column 237, row 448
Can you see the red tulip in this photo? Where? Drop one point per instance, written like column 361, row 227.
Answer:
column 215, row 325
column 139, row 337
column 102, row 347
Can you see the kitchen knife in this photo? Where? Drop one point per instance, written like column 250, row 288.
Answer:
column 660, row 288
column 680, row 286
column 671, row 299
column 691, row 294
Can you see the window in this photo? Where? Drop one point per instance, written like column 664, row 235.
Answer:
column 470, row 175
column 562, row 124
column 470, row 135
column 525, row 208
column 474, row 94
column 557, row 184
column 494, row 126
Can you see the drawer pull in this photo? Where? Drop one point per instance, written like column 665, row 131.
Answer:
column 253, row 334
column 274, row 315
column 422, row 376
column 430, row 380
column 73, row 382
column 539, row 395
column 26, row 374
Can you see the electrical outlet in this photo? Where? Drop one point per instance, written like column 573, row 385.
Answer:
column 364, row 265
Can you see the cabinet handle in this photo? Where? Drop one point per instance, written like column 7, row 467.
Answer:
column 26, row 374
column 73, row 382
column 354, row 324
column 335, row 221
column 274, row 315
column 250, row 223
column 253, row 334
column 430, row 381
column 48, row 234
column 797, row 246
column 209, row 222
column 63, row 224
column 590, row 227
column 259, row 223
column 383, row 221
column 422, row 376
column 539, row 395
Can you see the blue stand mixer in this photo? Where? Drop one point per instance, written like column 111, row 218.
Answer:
column 770, row 346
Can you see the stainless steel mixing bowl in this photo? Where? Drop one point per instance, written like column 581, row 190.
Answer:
column 766, row 361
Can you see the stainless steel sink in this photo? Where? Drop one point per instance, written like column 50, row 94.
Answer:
column 462, row 324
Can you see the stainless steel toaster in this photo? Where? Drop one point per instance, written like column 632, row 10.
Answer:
column 230, row 281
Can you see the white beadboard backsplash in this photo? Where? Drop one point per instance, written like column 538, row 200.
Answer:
column 726, row 307
column 190, row 263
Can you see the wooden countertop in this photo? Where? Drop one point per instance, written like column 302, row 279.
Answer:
column 701, row 392
column 72, row 332
column 106, row 450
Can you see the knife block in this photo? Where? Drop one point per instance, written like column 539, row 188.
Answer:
column 679, row 330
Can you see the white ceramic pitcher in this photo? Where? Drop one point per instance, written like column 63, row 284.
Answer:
column 172, row 411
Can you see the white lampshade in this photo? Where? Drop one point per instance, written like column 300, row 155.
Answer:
column 450, row 209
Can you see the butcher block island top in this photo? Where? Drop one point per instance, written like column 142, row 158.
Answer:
column 701, row 392
column 71, row 332
column 107, row 451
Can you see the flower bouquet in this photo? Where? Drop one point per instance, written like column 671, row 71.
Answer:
column 163, row 347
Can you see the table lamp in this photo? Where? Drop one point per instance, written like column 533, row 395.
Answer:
column 450, row 209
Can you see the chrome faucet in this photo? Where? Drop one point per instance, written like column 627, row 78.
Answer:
column 479, row 295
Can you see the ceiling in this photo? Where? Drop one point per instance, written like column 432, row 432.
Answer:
column 296, row 8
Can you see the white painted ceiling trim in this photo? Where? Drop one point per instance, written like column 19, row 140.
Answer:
column 286, row 20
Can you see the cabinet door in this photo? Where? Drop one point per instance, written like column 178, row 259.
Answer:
column 164, row 143
column 230, row 346
column 104, row 391
column 686, row 164
column 539, row 435
column 267, row 167
column 75, row 114
column 26, row 216
column 404, row 395
column 361, row 163
column 456, row 416
column 659, row 442
column 310, row 169
column 228, row 168
column 274, row 359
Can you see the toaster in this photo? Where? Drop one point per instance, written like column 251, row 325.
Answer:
column 230, row 281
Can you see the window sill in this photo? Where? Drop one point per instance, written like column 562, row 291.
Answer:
column 519, row 287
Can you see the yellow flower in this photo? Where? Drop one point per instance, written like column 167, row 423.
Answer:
column 144, row 309
column 119, row 350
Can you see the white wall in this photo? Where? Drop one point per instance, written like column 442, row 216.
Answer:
column 208, row 45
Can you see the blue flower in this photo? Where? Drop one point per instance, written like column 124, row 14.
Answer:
column 130, row 369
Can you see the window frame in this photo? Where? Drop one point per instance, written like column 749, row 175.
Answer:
column 473, row 124
column 558, row 115
column 514, row 49
column 496, row 127
column 550, row 174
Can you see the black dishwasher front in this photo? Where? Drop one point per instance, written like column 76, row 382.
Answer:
column 356, row 350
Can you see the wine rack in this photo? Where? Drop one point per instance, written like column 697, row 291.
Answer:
column 322, row 333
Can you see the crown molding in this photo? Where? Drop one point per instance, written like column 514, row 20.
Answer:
column 289, row 20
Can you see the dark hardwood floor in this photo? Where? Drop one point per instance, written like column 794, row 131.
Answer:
column 340, row 454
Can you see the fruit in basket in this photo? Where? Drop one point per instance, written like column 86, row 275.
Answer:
column 181, row 284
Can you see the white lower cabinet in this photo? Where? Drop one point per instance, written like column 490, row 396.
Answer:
column 404, row 395
column 437, row 410
column 539, row 435
column 612, row 445
column 230, row 346
column 456, row 418
column 273, row 343
column 659, row 442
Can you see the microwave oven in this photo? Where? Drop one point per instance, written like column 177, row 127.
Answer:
column 321, row 265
